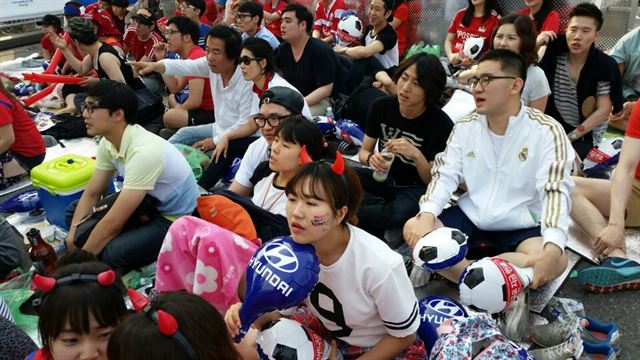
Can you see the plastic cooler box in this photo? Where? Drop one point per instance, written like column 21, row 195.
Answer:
column 61, row 181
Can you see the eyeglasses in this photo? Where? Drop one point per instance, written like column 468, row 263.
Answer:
column 273, row 120
column 484, row 80
column 247, row 60
column 170, row 32
column 185, row 5
column 241, row 17
column 90, row 107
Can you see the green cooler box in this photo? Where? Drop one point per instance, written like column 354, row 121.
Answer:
column 59, row 182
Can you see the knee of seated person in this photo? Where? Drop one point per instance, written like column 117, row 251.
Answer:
column 408, row 225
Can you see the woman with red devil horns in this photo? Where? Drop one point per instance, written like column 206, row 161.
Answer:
column 368, row 305
column 80, row 306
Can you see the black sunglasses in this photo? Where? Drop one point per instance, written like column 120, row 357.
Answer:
column 247, row 60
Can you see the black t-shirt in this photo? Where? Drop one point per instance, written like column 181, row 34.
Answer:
column 387, row 37
column 428, row 132
column 316, row 67
column 134, row 82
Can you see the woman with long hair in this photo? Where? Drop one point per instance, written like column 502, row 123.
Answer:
column 542, row 14
column 517, row 33
column 477, row 20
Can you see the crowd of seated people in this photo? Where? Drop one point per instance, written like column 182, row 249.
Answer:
column 246, row 85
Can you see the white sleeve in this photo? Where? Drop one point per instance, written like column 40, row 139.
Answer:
column 446, row 173
column 554, row 185
column 245, row 101
column 537, row 84
column 396, row 302
column 255, row 154
column 186, row 67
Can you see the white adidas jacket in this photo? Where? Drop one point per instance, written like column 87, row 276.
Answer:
column 528, row 184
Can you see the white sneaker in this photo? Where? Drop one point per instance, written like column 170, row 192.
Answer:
column 419, row 276
column 570, row 349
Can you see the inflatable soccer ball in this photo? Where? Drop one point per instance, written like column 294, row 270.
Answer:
column 492, row 284
column 349, row 30
column 473, row 47
column 326, row 125
column 440, row 249
column 286, row 339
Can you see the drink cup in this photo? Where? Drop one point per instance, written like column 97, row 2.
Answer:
column 381, row 176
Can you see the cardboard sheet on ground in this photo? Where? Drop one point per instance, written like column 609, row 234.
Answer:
column 578, row 242
column 82, row 146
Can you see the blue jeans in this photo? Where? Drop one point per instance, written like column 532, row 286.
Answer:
column 134, row 247
column 191, row 134
column 386, row 206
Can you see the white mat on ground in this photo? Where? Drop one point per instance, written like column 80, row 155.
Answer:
column 81, row 146
column 579, row 242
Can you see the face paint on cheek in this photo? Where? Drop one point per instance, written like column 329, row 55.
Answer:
column 319, row 220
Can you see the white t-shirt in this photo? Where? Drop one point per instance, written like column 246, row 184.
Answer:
column 256, row 153
column 278, row 80
column 366, row 294
column 269, row 196
column 536, row 85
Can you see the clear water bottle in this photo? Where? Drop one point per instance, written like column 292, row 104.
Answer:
column 329, row 113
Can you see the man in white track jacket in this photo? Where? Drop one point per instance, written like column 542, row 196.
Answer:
column 515, row 162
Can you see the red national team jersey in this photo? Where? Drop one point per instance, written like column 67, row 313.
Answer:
column 196, row 52
column 633, row 128
column 274, row 26
column 327, row 22
column 28, row 141
column 477, row 28
column 139, row 48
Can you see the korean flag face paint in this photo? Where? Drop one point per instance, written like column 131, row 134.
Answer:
column 319, row 220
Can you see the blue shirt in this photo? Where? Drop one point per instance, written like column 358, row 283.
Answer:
column 265, row 34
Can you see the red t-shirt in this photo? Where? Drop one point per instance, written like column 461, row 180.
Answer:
column 274, row 26
column 477, row 28
column 633, row 128
column 402, row 13
column 45, row 43
column 196, row 52
column 28, row 141
column 327, row 23
column 415, row 8
column 139, row 48
column 551, row 23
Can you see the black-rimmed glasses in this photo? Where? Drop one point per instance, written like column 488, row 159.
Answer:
column 484, row 80
column 273, row 120
column 90, row 107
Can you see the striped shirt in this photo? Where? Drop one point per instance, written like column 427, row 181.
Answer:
column 566, row 98
column 5, row 312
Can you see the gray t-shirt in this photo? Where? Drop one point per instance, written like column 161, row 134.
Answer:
column 536, row 85
column 627, row 52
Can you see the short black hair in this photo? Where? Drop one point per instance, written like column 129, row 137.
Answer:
column 588, row 10
column 232, row 40
column 298, row 130
column 510, row 62
column 430, row 73
column 186, row 26
column 81, row 30
column 198, row 4
column 302, row 14
column 115, row 95
column 261, row 49
column 252, row 8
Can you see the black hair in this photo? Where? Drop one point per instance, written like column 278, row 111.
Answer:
column 186, row 26
column 75, row 256
column 198, row 4
column 527, row 33
column 302, row 14
column 541, row 15
column 588, row 10
column 81, row 30
column 489, row 7
column 261, row 49
column 115, row 95
column 510, row 62
column 252, row 8
column 430, row 73
column 232, row 40
column 138, row 337
column 339, row 190
column 120, row 3
column 297, row 129
column 73, row 304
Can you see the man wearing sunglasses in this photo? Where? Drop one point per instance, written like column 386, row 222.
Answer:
column 248, row 20
column 515, row 162
column 148, row 164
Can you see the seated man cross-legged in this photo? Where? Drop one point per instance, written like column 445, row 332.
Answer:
column 148, row 164
column 515, row 163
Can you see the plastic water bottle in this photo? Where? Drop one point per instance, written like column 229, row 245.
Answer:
column 329, row 113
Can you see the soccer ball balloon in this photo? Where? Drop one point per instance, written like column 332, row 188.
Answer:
column 492, row 284
column 473, row 47
column 349, row 30
column 326, row 125
column 440, row 249
column 602, row 157
column 286, row 339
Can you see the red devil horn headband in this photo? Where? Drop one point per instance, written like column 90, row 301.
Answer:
column 337, row 167
column 167, row 323
column 46, row 284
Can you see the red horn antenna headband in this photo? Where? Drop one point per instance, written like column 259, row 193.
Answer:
column 338, row 165
column 304, row 156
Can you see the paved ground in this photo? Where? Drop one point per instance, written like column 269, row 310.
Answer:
column 622, row 308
